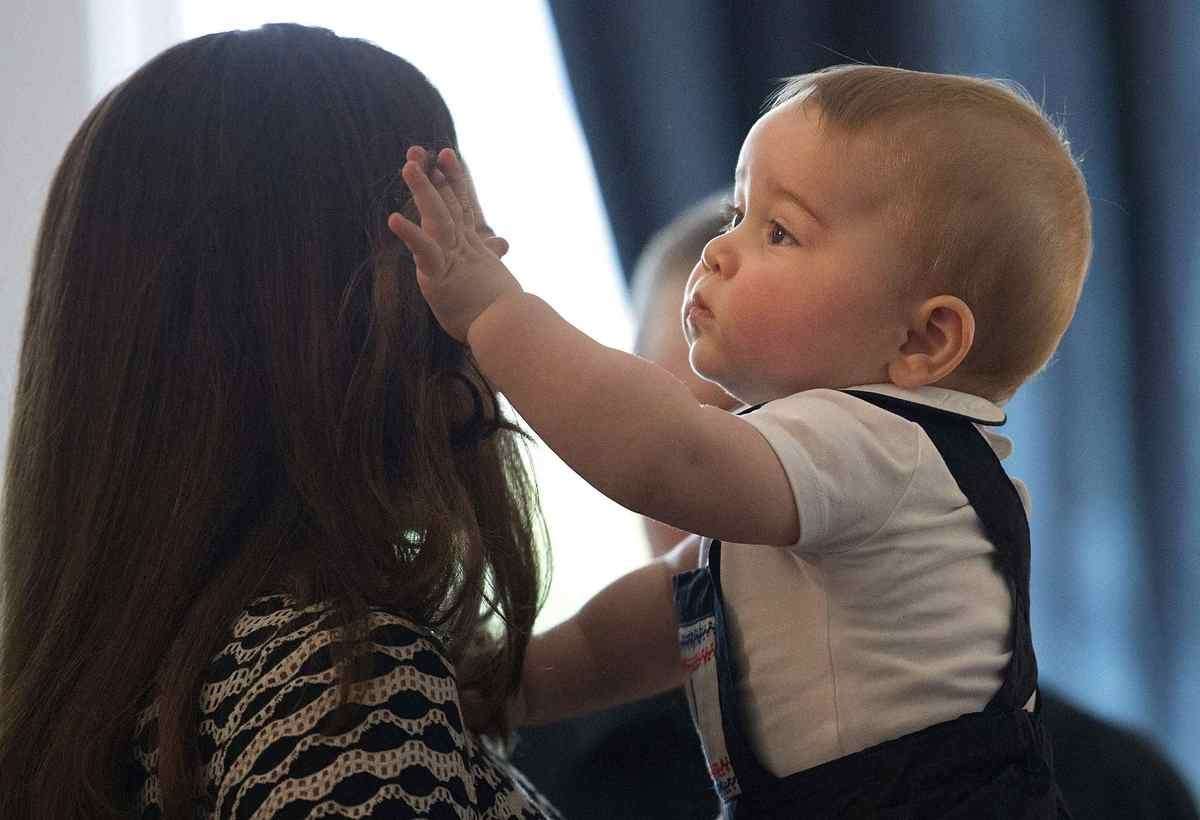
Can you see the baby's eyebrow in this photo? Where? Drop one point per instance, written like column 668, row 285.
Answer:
column 799, row 202
column 791, row 196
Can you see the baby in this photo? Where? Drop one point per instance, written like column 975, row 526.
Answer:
column 903, row 251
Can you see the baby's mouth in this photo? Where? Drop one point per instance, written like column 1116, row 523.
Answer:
column 696, row 306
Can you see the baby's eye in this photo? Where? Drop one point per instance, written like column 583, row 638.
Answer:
column 779, row 234
column 730, row 217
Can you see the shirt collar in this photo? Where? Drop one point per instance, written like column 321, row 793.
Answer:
column 975, row 408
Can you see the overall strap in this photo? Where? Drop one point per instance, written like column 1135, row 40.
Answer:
column 995, row 763
column 988, row 489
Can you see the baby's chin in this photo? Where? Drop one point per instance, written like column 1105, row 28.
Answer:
column 761, row 394
column 707, row 391
column 744, row 396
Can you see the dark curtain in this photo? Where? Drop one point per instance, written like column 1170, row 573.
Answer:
column 1107, row 437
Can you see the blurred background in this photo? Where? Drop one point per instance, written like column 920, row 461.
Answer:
column 589, row 126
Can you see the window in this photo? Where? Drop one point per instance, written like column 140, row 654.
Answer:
column 498, row 67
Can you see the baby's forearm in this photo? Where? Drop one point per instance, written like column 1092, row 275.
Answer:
column 617, row 419
column 621, row 646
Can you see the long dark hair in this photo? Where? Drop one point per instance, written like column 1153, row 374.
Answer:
column 229, row 385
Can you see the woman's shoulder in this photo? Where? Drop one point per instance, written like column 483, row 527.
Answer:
column 275, row 636
column 270, row 741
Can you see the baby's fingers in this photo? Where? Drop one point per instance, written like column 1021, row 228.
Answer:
column 459, row 179
column 450, row 198
column 427, row 253
column 436, row 218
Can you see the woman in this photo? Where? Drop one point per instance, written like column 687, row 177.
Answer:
column 260, row 512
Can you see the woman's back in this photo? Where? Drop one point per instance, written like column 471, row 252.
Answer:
column 229, row 385
column 267, row 746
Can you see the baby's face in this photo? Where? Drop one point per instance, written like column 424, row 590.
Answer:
column 800, row 291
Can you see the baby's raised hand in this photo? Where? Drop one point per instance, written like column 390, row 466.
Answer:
column 458, row 268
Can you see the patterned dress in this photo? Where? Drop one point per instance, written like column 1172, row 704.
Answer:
column 404, row 754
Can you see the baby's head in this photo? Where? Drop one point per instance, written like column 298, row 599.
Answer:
column 902, row 226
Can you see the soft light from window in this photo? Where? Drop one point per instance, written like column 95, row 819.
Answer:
column 498, row 66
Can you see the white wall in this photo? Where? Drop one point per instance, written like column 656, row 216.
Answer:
column 44, row 95
column 57, row 57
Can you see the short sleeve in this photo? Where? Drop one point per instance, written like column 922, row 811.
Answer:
column 270, row 745
column 848, row 462
column 401, row 751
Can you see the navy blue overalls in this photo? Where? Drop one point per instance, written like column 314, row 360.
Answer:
column 991, row 764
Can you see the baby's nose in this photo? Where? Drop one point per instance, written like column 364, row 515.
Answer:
column 709, row 256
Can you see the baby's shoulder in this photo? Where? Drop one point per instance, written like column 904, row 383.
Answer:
column 839, row 420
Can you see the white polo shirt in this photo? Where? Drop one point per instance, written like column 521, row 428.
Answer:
column 887, row 615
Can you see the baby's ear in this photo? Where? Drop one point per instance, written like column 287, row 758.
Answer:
column 939, row 338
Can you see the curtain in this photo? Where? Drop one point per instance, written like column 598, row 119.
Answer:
column 1106, row 438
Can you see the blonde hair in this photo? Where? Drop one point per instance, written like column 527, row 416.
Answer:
column 987, row 195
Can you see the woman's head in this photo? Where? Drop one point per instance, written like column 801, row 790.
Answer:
column 228, row 378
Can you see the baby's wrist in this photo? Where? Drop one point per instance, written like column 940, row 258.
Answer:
column 496, row 315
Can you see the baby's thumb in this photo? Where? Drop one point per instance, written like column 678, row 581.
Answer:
column 497, row 245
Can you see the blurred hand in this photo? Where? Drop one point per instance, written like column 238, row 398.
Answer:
column 459, row 270
column 488, row 721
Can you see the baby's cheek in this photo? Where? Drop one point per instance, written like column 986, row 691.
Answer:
column 769, row 328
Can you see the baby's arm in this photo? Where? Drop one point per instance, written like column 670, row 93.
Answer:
column 626, row 425
column 623, row 645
